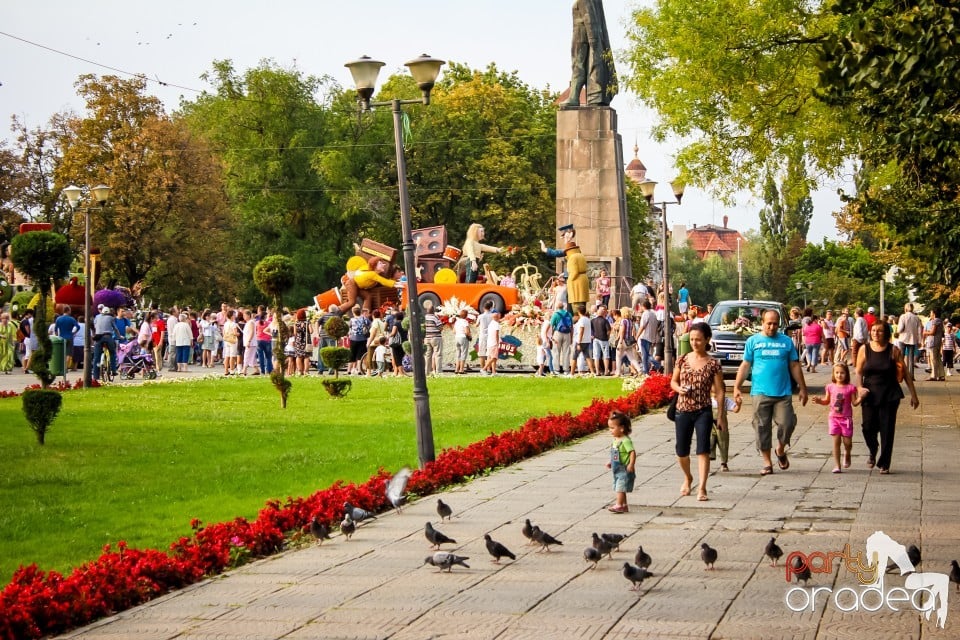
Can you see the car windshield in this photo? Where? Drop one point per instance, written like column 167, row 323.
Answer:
column 738, row 317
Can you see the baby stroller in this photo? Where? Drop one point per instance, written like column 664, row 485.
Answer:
column 134, row 360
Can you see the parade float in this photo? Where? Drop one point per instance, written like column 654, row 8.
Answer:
column 453, row 279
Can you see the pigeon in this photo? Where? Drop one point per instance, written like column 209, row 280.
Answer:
column 497, row 550
column 397, row 487
column 527, row 530
column 435, row 537
column 708, row 555
column 444, row 560
column 603, row 546
column 347, row 526
column 643, row 559
column 319, row 530
column 443, row 510
column 773, row 551
column 913, row 554
column 955, row 573
column 592, row 555
column 636, row 575
column 358, row 514
column 800, row 569
column 613, row 538
column 544, row 539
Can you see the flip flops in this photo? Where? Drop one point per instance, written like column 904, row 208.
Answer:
column 766, row 471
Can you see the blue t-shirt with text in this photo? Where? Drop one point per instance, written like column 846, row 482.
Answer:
column 770, row 359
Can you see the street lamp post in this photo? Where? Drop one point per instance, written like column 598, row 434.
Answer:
column 647, row 188
column 804, row 286
column 100, row 195
column 425, row 71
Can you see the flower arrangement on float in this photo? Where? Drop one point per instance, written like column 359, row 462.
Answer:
column 39, row 603
column 742, row 326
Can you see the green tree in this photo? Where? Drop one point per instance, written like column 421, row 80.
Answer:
column 893, row 65
column 267, row 125
column 167, row 225
column 44, row 257
column 737, row 81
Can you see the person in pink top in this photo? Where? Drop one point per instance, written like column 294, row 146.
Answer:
column 841, row 397
column 812, row 340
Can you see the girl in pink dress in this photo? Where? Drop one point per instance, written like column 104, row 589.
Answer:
column 842, row 397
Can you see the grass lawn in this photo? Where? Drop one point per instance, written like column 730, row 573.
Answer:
column 138, row 463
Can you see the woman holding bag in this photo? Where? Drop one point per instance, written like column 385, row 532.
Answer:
column 877, row 364
column 696, row 378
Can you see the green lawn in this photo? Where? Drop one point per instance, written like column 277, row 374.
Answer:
column 137, row 463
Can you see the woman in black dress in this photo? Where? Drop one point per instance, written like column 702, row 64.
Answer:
column 881, row 393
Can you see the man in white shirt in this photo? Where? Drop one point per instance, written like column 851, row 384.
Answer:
column 172, row 320
column 649, row 328
column 909, row 329
column 583, row 340
column 483, row 323
column 638, row 294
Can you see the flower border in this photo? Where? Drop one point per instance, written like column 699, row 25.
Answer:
column 36, row 603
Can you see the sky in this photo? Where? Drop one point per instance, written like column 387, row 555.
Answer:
column 176, row 41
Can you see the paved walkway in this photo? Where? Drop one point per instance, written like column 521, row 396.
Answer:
column 375, row 585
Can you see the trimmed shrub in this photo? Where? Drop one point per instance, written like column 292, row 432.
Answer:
column 41, row 407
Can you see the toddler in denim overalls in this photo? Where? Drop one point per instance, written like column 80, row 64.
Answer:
column 623, row 460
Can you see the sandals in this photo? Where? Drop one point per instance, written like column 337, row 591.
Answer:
column 724, row 467
column 617, row 508
column 871, row 461
column 702, row 497
column 766, row 471
column 783, row 461
column 837, row 470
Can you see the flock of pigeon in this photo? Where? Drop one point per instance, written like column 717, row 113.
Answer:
column 603, row 544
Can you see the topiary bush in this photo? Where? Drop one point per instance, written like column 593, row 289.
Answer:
column 274, row 275
column 335, row 327
column 337, row 388
column 41, row 406
column 334, row 358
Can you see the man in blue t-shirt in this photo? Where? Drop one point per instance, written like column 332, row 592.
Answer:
column 772, row 358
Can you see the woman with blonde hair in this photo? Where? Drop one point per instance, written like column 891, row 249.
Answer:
column 473, row 250
column 625, row 337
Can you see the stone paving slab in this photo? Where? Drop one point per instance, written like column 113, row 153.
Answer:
column 375, row 585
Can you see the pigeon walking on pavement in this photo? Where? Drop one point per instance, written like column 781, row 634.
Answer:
column 444, row 560
column 319, row 530
column 397, row 488
column 636, row 575
column 708, row 554
column 614, row 538
column 358, row 514
column 443, row 510
column 603, row 546
column 643, row 559
column 435, row 537
column 800, row 569
column 955, row 573
column 773, row 551
column 497, row 550
column 592, row 555
column 544, row 539
column 528, row 530
column 347, row 525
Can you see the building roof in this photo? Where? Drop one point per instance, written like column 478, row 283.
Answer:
column 714, row 240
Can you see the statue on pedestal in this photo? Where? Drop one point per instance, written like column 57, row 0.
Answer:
column 591, row 56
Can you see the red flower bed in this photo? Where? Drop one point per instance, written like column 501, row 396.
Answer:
column 38, row 603
column 57, row 386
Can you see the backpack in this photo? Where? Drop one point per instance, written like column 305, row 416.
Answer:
column 566, row 323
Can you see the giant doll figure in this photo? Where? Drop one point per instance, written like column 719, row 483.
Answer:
column 592, row 58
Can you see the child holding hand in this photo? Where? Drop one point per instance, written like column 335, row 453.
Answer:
column 842, row 397
column 623, row 460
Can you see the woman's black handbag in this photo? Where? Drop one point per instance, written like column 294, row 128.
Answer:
column 672, row 409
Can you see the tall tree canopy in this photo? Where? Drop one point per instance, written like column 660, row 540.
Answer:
column 266, row 124
column 166, row 224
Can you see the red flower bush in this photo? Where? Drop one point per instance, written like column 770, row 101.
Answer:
column 35, row 604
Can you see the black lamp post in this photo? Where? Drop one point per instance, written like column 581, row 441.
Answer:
column 647, row 189
column 101, row 194
column 425, row 71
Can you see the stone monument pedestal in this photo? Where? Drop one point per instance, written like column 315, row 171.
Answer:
column 590, row 193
